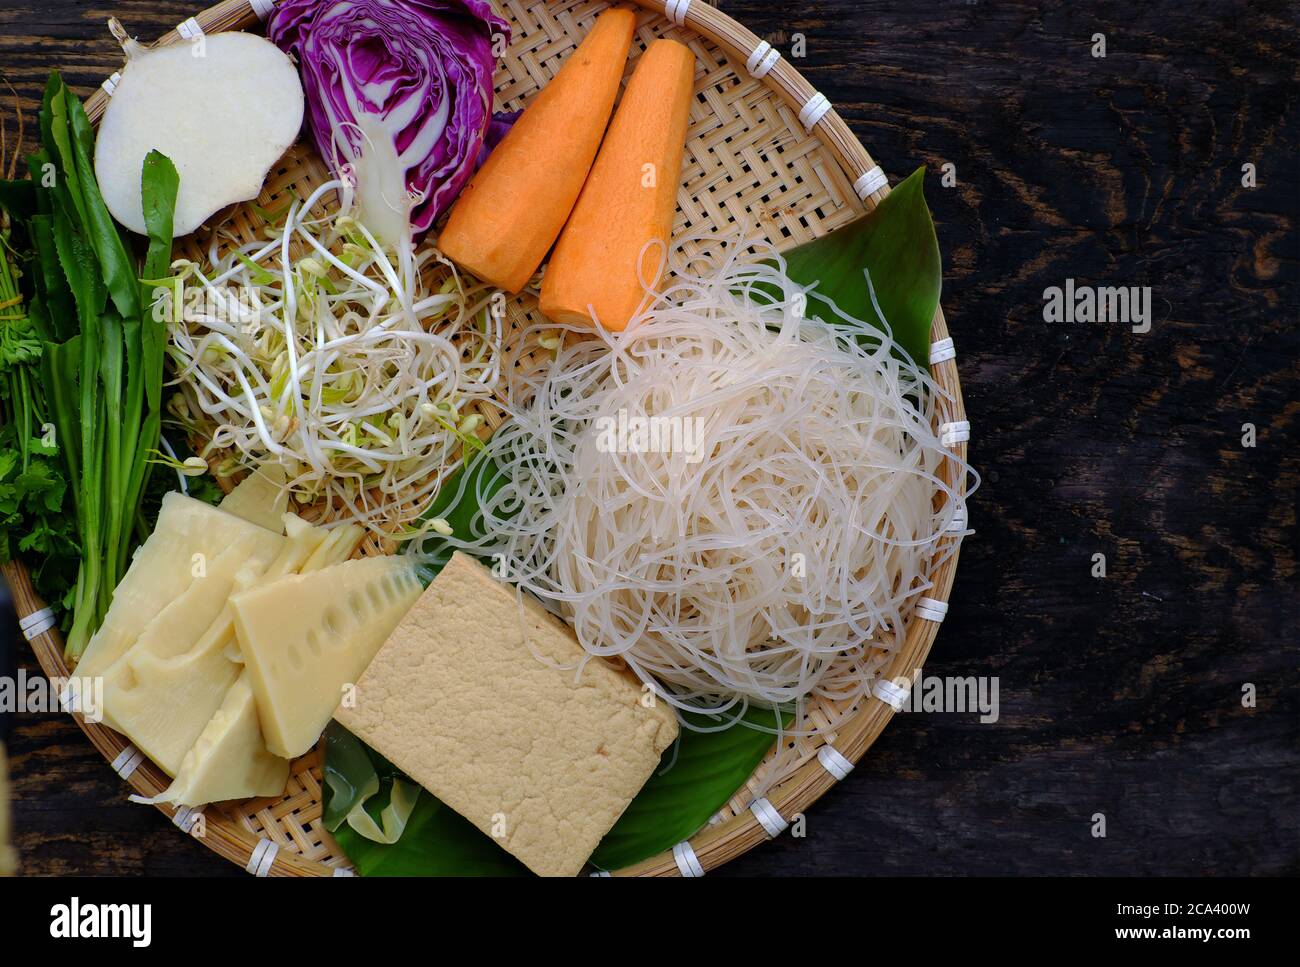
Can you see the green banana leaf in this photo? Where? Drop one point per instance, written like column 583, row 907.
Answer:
column 895, row 243
column 437, row 841
column 683, row 795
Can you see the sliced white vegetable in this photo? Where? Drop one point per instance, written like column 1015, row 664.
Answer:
column 223, row 108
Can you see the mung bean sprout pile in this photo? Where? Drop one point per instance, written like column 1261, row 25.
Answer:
column 352, row 365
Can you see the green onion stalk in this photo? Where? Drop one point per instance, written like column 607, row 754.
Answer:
column 104, row 380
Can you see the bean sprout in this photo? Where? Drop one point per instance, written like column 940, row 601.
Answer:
column 352, row 365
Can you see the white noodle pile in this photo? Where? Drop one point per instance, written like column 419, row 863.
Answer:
column 778, row 557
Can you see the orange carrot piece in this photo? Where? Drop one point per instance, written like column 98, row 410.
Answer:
column 629, row 199
column 508, row 217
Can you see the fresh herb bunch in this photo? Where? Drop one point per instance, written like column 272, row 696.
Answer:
column 101, row 349
column 35, row 516
column 33, row 488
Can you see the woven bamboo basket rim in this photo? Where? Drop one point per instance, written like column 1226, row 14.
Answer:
column 282, row 853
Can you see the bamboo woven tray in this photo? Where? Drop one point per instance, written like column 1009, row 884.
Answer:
column 764, row 148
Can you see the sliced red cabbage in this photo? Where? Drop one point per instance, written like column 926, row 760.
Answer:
column 415, row 75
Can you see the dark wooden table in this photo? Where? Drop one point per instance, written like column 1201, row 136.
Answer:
column 1119, row 695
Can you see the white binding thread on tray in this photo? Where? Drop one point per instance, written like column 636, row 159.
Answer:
column 931, row 609
column 942, row 351
column 602, row 873
column 762, row 60
column 262, row 8
column 951, row 434
column 185, row 817
column 675, row 10
column 127, row 761
column 688, row 864
column 190, row 29
column 772, row 822
column 343, row 871
column 263, row 858
column 958, row 524
column 814, row 111
column 890, row 693
column 110, row 83
column 833, row 762
column 37, row 623
column 870, row 183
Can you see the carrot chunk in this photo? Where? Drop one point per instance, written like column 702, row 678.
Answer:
column 508, row 217
column 601, row 264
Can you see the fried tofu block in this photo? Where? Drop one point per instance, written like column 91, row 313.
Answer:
column 478, row 698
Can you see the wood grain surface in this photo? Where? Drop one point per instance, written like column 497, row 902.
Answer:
column 1120, row 695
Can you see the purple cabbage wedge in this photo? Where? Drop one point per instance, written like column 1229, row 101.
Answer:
column 405, row 83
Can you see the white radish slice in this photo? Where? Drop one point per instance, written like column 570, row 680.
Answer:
column 224, row 108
